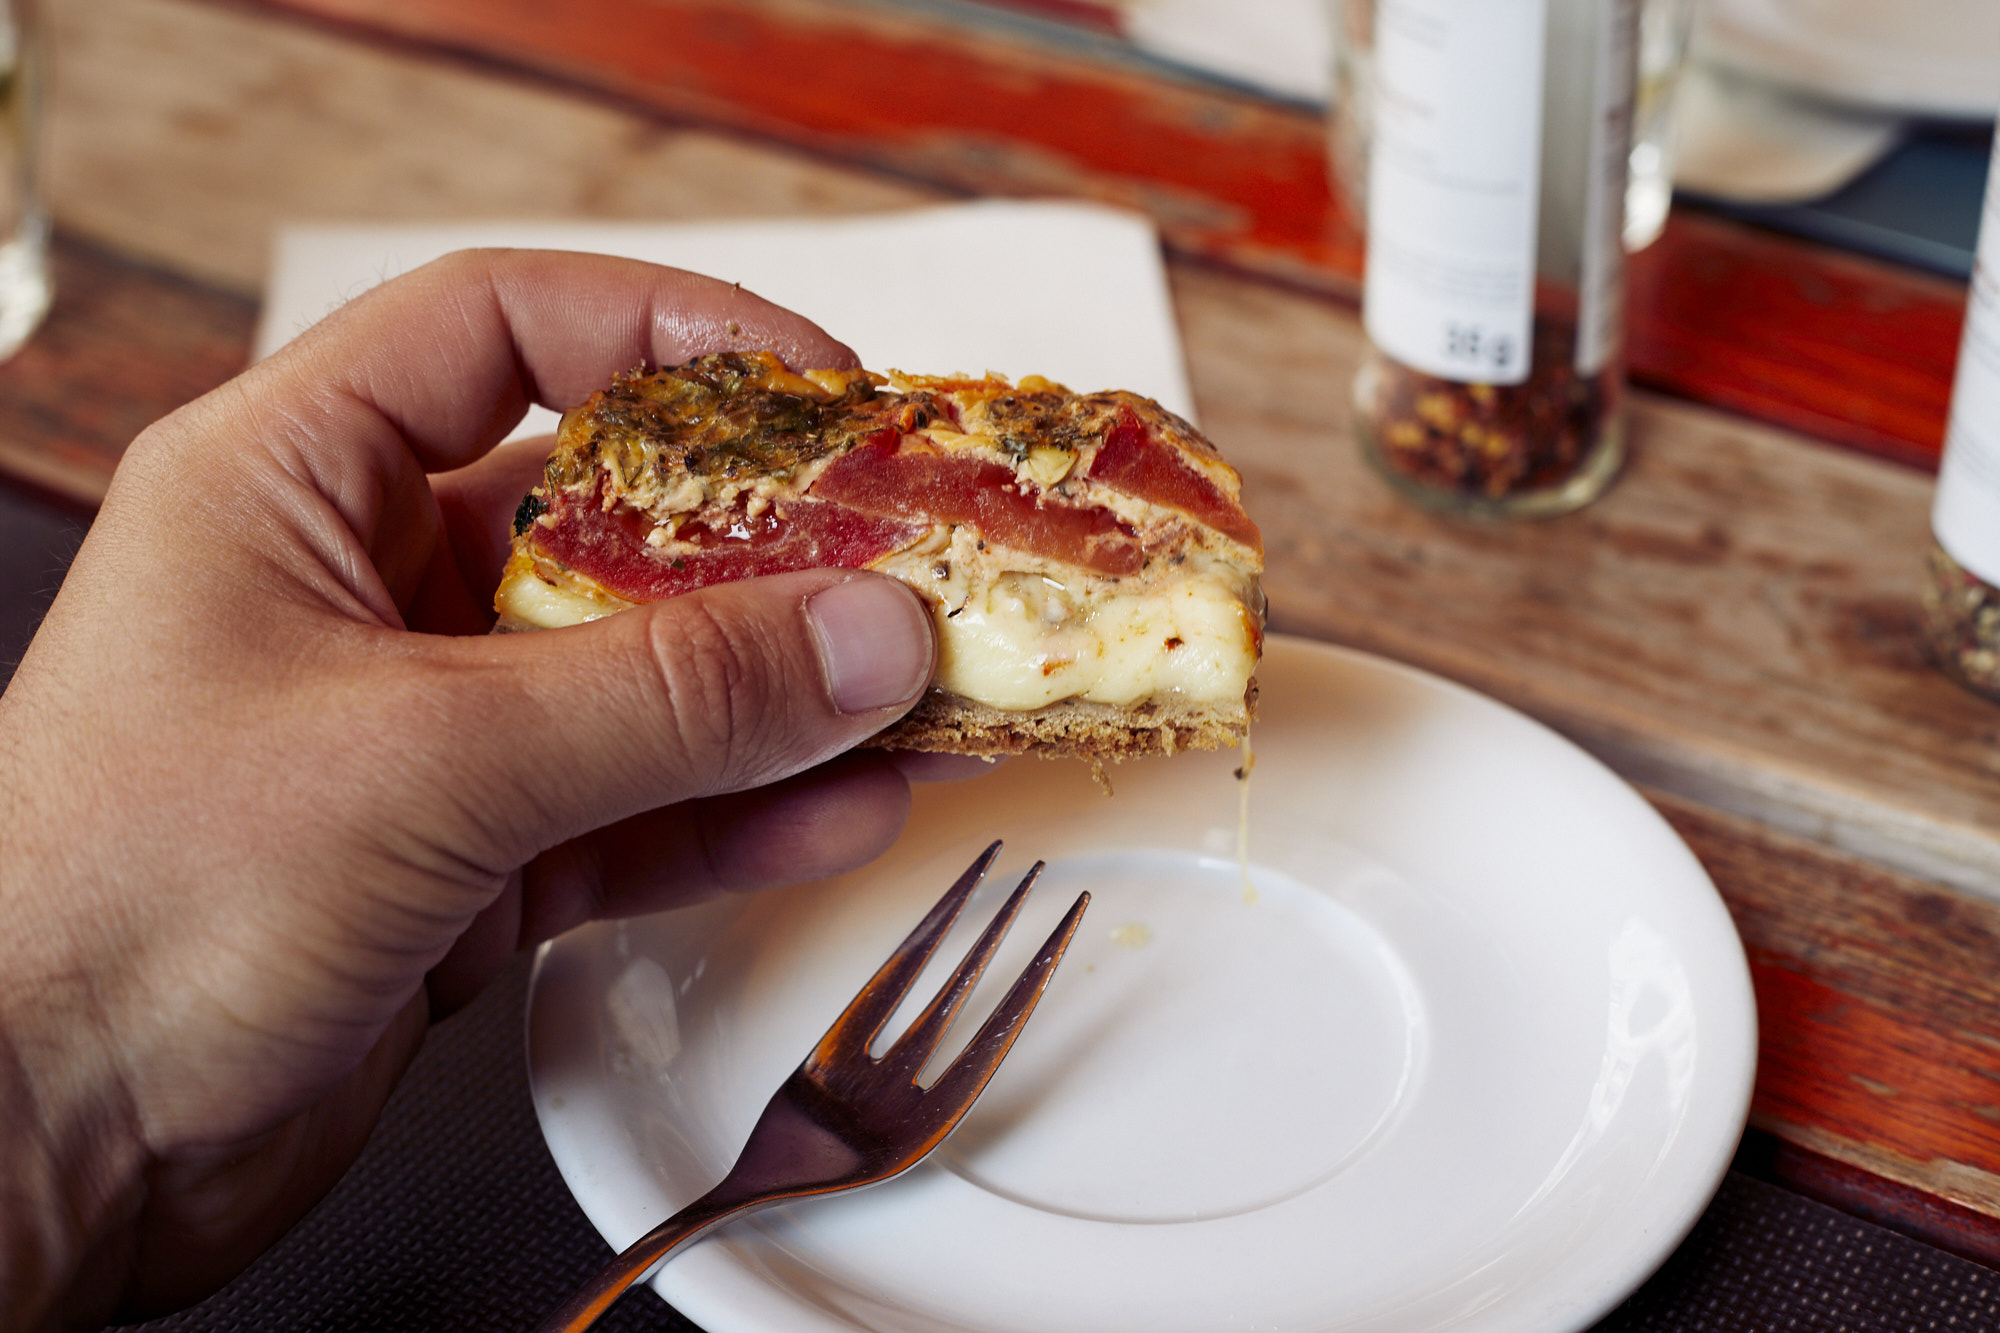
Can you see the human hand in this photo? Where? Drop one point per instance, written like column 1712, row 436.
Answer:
column 270, row 797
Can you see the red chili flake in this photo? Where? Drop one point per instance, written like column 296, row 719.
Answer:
column 1492, row 441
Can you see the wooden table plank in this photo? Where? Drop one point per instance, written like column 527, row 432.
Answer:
column 185, row 134
column 1721, row 313
column 1835, row 346
column 125, row 344
column 1879, row 1042
column 897, row 89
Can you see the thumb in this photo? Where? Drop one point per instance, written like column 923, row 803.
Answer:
column 554, row 733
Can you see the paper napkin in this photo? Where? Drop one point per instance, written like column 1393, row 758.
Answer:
column 1075, row 292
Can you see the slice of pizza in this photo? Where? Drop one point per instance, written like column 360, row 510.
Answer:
column 1091, row 570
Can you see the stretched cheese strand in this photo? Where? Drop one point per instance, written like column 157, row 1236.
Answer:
column 1250, row 894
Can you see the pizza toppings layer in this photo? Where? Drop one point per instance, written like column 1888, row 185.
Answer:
column 1081, row 552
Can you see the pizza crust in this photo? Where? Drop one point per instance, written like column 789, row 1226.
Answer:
column 947, row 724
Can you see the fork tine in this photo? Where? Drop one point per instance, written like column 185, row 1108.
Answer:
column 913, row 1049
column 864, row 1016
column 968, row 1075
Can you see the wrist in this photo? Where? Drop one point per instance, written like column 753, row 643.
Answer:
column 71, row 1157
column 71, row 1169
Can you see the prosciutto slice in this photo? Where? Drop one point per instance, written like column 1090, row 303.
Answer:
column 900, row 478
column 610, row 546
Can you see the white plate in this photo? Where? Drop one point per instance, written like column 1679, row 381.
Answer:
column 1924, row 57
column 1473, row 1054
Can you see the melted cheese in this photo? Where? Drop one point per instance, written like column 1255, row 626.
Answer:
column 1020, row 642
column 1024, row 642
column 527, row 599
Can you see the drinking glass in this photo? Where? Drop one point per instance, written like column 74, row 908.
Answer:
column 1664, row 29
column 24, row 219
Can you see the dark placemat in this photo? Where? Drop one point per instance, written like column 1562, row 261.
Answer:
column 1764, row 1258
column 37, row 540
column 456, row 1220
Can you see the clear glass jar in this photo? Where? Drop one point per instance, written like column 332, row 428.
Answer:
column 25, row 288
column 1494, row 299
column 1665, row 28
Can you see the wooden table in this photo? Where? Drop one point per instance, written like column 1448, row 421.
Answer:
column 1734, row 627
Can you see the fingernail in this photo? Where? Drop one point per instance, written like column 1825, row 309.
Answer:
column 874, row 643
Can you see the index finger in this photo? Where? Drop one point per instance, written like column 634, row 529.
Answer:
column 333, row 433
column 449, row 356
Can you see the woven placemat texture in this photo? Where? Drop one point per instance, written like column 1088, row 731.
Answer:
column 1765, row 1260
column 455, row 1221
column 455, row 1217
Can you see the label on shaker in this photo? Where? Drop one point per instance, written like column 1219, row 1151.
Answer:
column 1453, row 186
column 1966, row 513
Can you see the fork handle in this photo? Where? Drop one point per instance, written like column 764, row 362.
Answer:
column 594, row 1297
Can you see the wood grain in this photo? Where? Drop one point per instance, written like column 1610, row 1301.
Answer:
column 185, row 134
column 1851, row 350
column 1833, row 345
column 894, row 88
column 125, row 344
column 1879, row 1011
column 1896, row 1204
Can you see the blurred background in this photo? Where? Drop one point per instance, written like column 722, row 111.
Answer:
column 1735, row 628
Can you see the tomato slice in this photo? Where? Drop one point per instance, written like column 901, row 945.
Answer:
column 799, row 533
column 904, row 477
column 884, row 494
column 1132, row 461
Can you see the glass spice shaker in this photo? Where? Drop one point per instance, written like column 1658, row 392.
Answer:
column 1666, row 29
column 1962, row 598
column 1494, row 295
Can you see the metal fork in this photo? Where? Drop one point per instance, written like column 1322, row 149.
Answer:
column 845, row 1118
